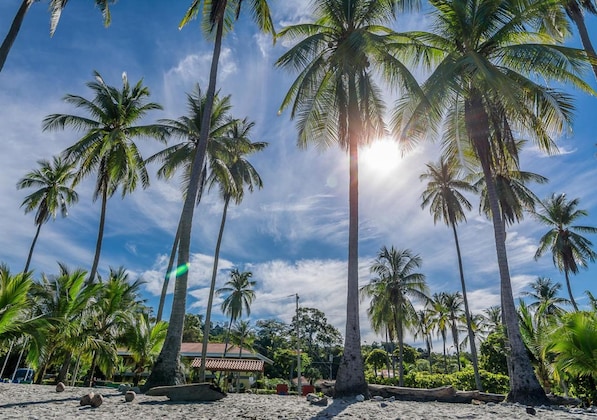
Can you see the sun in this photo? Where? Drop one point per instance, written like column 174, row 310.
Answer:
column 381, row 156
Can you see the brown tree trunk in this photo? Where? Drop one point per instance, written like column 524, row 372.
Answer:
column 13, row 31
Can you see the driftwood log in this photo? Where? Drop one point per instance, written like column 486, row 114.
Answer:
column 191, row 392
column 442, row 394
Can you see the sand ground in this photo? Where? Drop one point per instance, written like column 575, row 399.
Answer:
column 21, row 401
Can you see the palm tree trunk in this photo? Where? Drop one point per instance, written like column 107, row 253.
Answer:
column 400, row 355
column 12, row 342
column 100, row 234
column 524, row 386
column 455, row 339
column 168, row 274
column 444, row 339
column 350, row 379
column 574, row 305
column 166, row 370
column 31, row 249
column 467, row 312
column 65, row 367
column 577, row 17
column 212, row 289
column 13, row 31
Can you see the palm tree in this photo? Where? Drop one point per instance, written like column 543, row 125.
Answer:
column 447, row 203
column 569, row 249
column 440, row 321
column 423, row 329
column 144, row 341
column 107, row 146
column 239, row 297
column 231, row 171
column 337, row 101
column 56, row 7
column 242, row 335
column 14, row 303
column 181, row 155
column 486, row 88
column 53, row 193
column 219, row 16
column 546, row 301
column 453, row 304
column 394, row 289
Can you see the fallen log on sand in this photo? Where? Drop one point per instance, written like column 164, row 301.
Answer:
column 191, row 392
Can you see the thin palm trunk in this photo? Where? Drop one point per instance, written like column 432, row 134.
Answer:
column 100, row 233
column 455, row 339
column 212, row 288
column 62, row 375
column 400, row 355
column 32, row 247
column 444, row 339
column 524, row 386
column 166, row 370
column 567, row 276
column 12, row 342
column 579, row 20
column 467, row 313
column 13, row 31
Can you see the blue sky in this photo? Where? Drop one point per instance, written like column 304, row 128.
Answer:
column 292, row 234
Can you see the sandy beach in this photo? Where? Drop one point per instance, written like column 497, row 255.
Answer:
column 20, row 401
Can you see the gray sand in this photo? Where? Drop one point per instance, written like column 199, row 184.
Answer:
column 20, row 401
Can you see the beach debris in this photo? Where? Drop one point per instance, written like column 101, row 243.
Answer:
column 86, row 399
column 377, row 398
column 531, row 411
column 124, row 388
column 97, row 400
column 360, row 398
column 60, row 387
column 315, row 399
column 129, row 396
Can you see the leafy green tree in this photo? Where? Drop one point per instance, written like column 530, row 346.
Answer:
column 337, row 101
column 144, row 341
column 193, row 325
column 377, row 358
column 53, row 194
column 393, row 291
column 219, row 16
column 107, row 146
column 15, row 304
column 493, row 353
column 569, row 249
column 446, row 202
column 485, row 89
column 56, row 7
column 271, row 334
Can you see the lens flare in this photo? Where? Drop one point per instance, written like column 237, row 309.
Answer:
column 180, row 270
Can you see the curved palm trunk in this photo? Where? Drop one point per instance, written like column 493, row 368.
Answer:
column 166, row 370
column 524, row 386
column 31, row 249
column 100, row 234
column 467, row 312
column 567, row 276
column 13, row 31
column 455, row 339
column 212, row 289
column 577, row 17
column 444, row 339
column 350, row 379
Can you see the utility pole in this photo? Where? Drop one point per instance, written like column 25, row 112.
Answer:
column 298, row 349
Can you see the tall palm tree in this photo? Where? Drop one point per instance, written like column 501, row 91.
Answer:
column 486, row 87
column 337, row 101
column 394, row 288
column 243, row 336
column 231, row 171
column 423, row 329
column 181, row 155
column 107, row 146
column 219, row 16
column 546, row 301
column 453, row 304
column 53, row 193
column 447, row 203
column 240, row 295
column 569, row 249
column 56, row 7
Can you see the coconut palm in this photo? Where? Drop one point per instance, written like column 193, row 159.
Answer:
column 242, row 335
column 231, row 171
column 14, row 303
column 453, row 305
column 440, row 321
column 55, row 7
column 423, row 329
column 181, row 155
column 546, row 302
column 239, row 295
column 447, row 203
column 394, row 289
column 144, row 340
column 53, row 193
column 219, row 16
column 485, row 88
column 107, row 146
column 336, row 101
column 569, row 249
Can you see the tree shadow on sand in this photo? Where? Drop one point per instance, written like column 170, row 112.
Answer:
column 51, row 401
column 335, row 408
